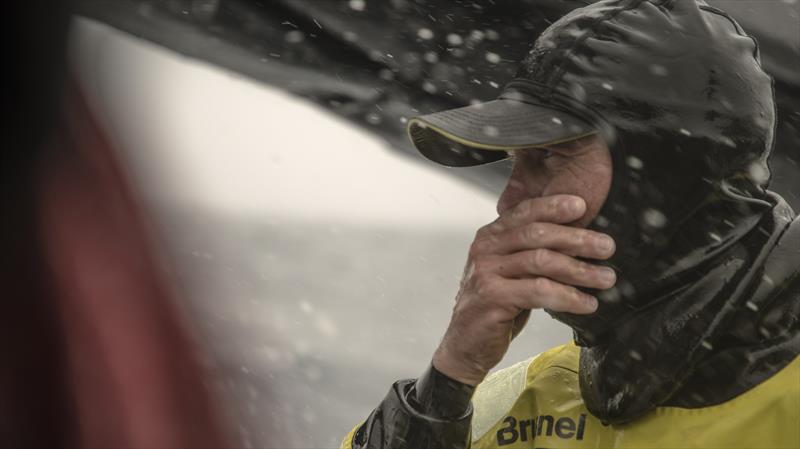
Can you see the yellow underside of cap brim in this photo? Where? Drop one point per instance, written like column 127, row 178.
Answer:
column 489, row 147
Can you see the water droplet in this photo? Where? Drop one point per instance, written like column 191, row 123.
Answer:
column 577, row 91
column 492, row 35
column 429, row 87
column 635, row 355
column 386, row 74
column 454, row 39
column 350, row 36
column 658, row 70
column 706, row 345
column 609, row 296
column 357, row 5
column 477, row 156
column 545, row 43
column 685, row 132
column 626, row 289
column 494, row 58
column 752, row 306
column 557, row 121
column 607, row 86
column 634, row 162
column 294, row 36
column 727, row 141
column 654, row 218
column 758, row 172
column 714, row 237
column 493, row 84
column 491, row 131
column 373, row 118
column 326, row 326
column 424, row 33
column 431, row 57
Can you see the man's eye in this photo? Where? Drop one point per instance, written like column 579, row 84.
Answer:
column 547, row 153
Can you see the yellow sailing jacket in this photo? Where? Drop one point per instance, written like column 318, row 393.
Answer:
column 537, row 404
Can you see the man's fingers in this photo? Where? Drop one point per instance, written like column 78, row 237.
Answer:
column 551, row 209
column 573, row 241
column 543, row 293
column 556, row 266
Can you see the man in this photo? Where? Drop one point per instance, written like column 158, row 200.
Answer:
column 637, row 213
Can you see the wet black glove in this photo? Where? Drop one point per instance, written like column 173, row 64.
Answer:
column 433, row 412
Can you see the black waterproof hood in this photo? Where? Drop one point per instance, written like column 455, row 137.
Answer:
column 678, row 92
column 681, row 99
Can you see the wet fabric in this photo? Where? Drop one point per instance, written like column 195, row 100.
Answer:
column 397, row 424
column 548, row 412
column 677, row 90
column 537, row 403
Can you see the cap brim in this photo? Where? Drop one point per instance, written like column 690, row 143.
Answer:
column 483, row 133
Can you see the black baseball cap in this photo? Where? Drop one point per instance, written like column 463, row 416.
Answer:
column 484, row 132
column 532, row 111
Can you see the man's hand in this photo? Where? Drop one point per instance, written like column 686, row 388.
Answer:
column 526, row 259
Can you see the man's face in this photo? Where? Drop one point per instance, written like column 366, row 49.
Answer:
column 580, row 167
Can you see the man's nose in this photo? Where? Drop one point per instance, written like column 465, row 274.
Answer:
column 513, row 194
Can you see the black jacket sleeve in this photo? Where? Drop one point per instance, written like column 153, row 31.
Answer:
column 432, row 412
